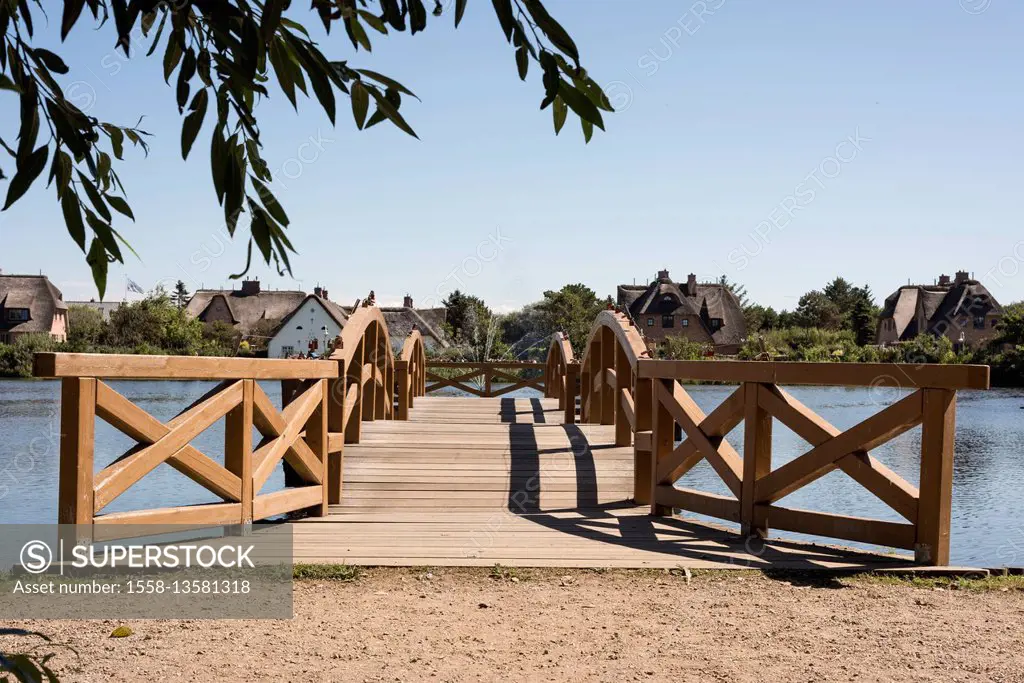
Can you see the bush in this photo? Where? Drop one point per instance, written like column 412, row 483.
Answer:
column 681, row 348
column 16, row 359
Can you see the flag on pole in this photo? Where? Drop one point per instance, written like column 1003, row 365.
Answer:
column 133, row 286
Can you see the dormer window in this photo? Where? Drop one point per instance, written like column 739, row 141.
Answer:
column 716, row 323
column 17, row 315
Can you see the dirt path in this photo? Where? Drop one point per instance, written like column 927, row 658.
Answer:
column 463, row 625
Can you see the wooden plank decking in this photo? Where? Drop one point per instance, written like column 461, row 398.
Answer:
column 481, row 481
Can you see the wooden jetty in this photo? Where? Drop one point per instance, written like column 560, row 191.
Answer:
column 583, row 475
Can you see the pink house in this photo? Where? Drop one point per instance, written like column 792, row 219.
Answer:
column 30, row 304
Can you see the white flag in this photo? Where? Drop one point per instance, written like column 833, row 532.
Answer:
column 133, row 286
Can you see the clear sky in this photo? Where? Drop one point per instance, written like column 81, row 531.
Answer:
column 781, row 144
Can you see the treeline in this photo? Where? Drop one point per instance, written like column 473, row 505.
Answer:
column 156, row 325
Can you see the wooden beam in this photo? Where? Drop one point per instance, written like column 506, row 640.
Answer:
column 238, row 447
column 191, row 515
column 757, row 460
column 572, row 373
column 77, row 436
column 288, row 500
column 722, row 420
column 722, row 457
column 899, row 375
column 896, row 419
column 662, row 441
column 937, row 445
column 713, row 505
column 109, row 365
column 316, row 439
column 858, row 529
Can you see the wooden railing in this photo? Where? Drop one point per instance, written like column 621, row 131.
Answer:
column 410, row 373
column 511, row 374
column 325, row 402
column 645, row 400
column 562, row 373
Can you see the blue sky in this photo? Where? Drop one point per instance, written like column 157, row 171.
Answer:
column 778, row 144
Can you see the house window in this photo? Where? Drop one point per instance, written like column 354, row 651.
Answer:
column 716, row 323
column 3, row 338
column 979, row 322
column 995, row 321
column 686, row 322
column 650, row 322
column 668, row 321
column 287, row 351
column 17, row 314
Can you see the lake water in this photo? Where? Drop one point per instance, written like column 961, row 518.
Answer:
column 987, row 527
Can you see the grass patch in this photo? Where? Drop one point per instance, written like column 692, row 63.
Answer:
column 979, row 585
column 500, row 573
column 325, row 572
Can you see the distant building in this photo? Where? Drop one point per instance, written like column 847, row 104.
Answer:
column 705, row 312
column 105, row 308
column 960, row 308
column 30, row 304
column 317, row 320
column 244, row 308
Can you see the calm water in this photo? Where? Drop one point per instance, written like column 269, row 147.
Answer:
column 987, row 529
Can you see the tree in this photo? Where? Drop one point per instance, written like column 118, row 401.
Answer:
column 816, row 309
column 737, row 289
column 572, row 310
column 758, row 317
column 473, row 326
column 1010, row 329
column 180, row 294
column 225, row 54
column 863, row 317
column 85, row 328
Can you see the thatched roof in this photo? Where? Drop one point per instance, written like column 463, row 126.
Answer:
column 246, row 309
column 704, row 300
column 938, row 306
column 35, row 293
column 401, row 319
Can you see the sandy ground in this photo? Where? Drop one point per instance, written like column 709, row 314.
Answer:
column 463, row 625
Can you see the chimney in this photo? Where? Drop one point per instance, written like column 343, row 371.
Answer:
column 407, row 301
column 691, row 284
column 961, row 276
column 663, row 276
column 318, row 291
column 944, row 280
column 324, row 295
column 250, row 287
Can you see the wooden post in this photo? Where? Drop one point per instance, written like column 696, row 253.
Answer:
column 609, row 391
column 643, row 395
column 487, row 378
column 572, row 371
column 402, row 380
column 77, row 436
column 662, row 444
column 290, row 390
column 389, row 388
column 757, row 460
column 316, row 439
column 623, row 382
column 586, row 390
column 238, row 447
column 355, row 375
column 336, row 425
column 935, row 505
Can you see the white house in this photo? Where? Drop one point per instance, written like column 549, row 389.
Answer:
column 308, row 328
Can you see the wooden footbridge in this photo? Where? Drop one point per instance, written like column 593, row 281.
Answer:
column 583, row 474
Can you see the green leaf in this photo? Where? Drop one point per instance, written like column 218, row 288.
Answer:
column 588, row 129
column 261, row 230
column 94, row 197
column 360, row 103
column 105, row 233
column 460, row 9
column 193, row 122
column 503, row 8
column 283, row 72
column 97, row 260
column 558, row 35
column 51, row 60
column 522, row 62
column 7, row 84
column 374, row 21
column 358, row 34
column 387, row 82
column 72, row 10
column 559, row 112
column 391, row 112
column 318, row 77
column 581, row 104
column 172, row 55
column 26, row 175
column 271, row 18
column 73, row 218
column 116, row 139
column 120, row 205
column 270, row 201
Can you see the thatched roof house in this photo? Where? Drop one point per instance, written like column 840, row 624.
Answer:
column 30, row 304
column 962, row 309
column 705, row 312
column 244, row 308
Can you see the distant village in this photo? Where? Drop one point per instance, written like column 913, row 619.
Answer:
column 289, row 324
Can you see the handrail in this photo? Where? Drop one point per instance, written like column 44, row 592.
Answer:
column 613, row 393
column 410, row 373
column 563, row 373
column 486, row 371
